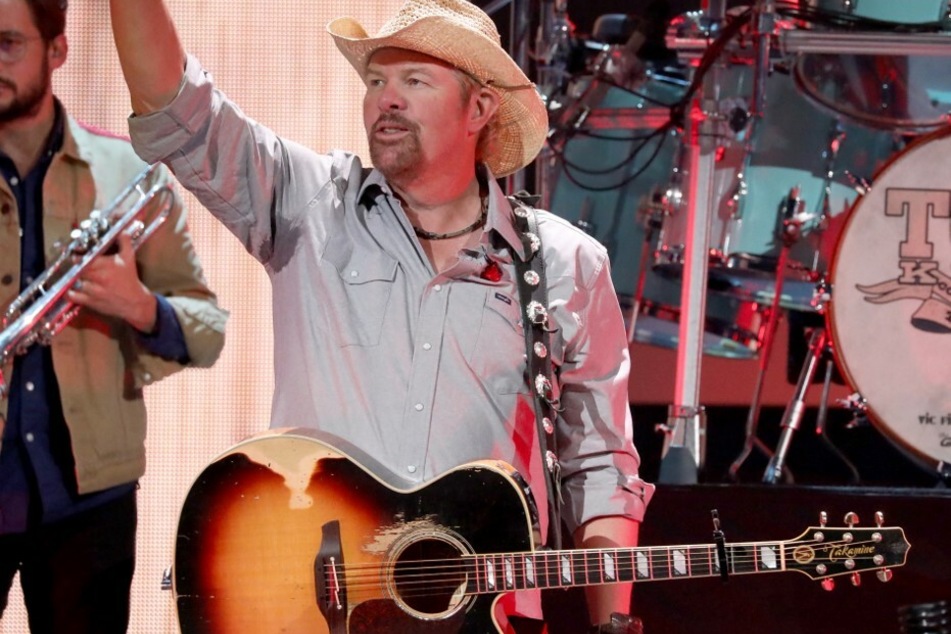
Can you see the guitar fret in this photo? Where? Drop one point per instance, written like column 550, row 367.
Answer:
column 680, row 564
column 702, row 566
column 529, row 565
column 734, row 557
column 608, row 567
column 643, row 566
column 490, row 581
column 567, row 578
column 660, row 563
column 625, row 565
column 769, row 557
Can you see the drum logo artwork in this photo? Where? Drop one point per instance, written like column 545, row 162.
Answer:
column 919, row 277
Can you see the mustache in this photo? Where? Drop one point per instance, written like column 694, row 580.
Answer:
column 389, row 119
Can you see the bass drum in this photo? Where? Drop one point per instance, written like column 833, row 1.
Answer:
column 890, row 312
column 614, row 152
column 911, row 92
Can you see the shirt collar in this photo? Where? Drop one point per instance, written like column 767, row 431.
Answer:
column 500, row 217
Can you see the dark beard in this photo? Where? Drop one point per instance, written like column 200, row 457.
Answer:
column 26, row 102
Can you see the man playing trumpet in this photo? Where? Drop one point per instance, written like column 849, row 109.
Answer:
column 74, row 418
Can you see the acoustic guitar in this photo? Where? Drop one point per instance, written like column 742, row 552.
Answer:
column 287, row 533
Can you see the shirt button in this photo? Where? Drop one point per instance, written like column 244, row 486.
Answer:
column 411, row 468
column 437, row 287
column 14, row 181
column 418, row 407
column 147, row 377
column 29, row 436
column 427, row 346
column 29, row 386
column 28, row 279
column 354, row 273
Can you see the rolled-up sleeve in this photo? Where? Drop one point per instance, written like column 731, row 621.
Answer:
column 598, row 459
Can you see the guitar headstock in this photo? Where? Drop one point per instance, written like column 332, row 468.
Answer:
column 823, row 552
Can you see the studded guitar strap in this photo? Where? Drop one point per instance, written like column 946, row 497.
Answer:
column 533, row 297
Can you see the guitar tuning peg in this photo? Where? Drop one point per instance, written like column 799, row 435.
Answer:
column 879, row 519
column 851, row 519
column 823, row 518
column 884, row 575
column 855, row 579
column 828, row 584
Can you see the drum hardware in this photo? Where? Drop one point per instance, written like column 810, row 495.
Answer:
column 793, row 219
column 793, row 42
column 820, row 351
column 792, row 416
column 653, row 221
column 857, row 406
column 681, row 457
column 553, row 48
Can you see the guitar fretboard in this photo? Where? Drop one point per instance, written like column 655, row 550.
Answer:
column 503, row 572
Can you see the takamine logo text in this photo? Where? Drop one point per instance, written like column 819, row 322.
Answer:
column 848, row 552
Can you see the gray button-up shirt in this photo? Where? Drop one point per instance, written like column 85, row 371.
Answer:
column 424, row 371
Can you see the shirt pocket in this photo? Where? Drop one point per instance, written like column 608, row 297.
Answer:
column 357, row 293
column 499, row 356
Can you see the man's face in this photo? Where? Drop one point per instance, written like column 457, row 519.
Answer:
column 414, row 113
column 25, row 67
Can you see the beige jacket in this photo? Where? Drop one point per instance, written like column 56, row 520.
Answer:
column 100, row 367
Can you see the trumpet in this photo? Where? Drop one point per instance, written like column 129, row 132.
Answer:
column 43, row 309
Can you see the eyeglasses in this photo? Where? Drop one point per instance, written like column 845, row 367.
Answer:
column 13, row 46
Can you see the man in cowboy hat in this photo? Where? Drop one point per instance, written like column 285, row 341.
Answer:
column 401, row 331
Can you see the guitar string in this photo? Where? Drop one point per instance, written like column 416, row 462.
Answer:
column 408, row 582
column 558, row 556
column 554, row 562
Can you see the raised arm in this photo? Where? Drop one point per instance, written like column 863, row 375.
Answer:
column 151, row 55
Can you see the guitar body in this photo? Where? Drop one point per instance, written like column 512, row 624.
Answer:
column 284, row 533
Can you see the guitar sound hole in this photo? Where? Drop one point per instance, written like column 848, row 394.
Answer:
column 430, row 577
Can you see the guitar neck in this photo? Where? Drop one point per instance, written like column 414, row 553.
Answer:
column 569, row 568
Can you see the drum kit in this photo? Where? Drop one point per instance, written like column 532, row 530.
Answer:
column 786, row 158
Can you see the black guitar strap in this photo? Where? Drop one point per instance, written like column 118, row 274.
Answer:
column 533, row 296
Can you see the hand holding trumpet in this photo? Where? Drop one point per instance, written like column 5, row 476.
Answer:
column 110, row 285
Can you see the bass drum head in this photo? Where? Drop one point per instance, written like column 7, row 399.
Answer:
column 890, row 313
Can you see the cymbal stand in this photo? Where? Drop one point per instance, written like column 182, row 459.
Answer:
column 681, row 457
column 794, row 221
column 792, row 417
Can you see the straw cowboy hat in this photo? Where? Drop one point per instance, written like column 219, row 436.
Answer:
column 458, row 32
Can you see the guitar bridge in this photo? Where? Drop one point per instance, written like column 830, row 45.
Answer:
column 329, row 579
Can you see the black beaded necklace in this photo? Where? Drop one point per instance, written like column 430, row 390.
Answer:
column 479, row 223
